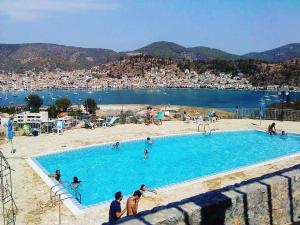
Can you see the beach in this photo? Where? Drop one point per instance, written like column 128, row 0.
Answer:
column 32, row 194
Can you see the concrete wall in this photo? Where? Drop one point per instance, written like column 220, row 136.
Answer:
column 271, row 199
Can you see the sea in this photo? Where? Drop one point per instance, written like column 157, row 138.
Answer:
column 212, row 98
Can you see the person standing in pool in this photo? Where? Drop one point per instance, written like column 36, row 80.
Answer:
column 115, row 211
column 75, row 183
column 146, row 154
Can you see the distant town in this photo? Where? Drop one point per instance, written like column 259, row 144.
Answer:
column 127, row 74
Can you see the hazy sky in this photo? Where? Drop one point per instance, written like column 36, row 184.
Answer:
column 237, row 26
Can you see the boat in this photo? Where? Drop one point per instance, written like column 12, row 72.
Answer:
column 90, row 92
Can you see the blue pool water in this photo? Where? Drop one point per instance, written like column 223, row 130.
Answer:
column 173, row 159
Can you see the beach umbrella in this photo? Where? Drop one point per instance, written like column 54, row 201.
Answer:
column 10, row 133
column 261, row 111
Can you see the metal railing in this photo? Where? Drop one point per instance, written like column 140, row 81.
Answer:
column 269, row 114
column 9, row 208
column 59, row 196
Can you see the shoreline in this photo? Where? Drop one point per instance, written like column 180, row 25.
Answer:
column 257, row 89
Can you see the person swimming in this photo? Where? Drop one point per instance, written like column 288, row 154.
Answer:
column 75, row 183
column 116, row 145
column 146, row 192
column 149, row 141
column 146, row 154
column 56, row 176
column 283, row 133
column 272, row 129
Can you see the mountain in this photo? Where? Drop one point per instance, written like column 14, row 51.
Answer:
column 280, row 54
column 39, row 56
column 164, row 49
column 21, row 57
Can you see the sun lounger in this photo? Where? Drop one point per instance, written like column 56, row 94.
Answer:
column 158, row 118
column 111, row 122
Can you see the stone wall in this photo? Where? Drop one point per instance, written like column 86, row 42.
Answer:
column 271, row 199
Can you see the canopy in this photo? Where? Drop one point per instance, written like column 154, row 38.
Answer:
column 10, row 130
column 261, row 110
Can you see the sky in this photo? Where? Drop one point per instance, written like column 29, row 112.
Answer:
column 236, row 26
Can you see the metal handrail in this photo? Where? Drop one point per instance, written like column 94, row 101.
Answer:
column 204, row 125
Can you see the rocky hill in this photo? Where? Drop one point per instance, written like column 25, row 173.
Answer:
column 22, row 57
column 164, row 49
column 280, row 54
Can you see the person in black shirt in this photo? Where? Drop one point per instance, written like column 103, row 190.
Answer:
column 115, row 211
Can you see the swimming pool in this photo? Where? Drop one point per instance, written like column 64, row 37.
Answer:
column 172, row 160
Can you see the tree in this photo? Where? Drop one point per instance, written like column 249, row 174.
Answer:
column 90, row 105
column 63, row 104
column 34, row 102
column 297, row 104
column 52, row 111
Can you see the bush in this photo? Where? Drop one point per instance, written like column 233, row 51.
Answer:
column 63, row 104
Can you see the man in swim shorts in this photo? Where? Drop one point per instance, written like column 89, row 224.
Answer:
column 133, row 203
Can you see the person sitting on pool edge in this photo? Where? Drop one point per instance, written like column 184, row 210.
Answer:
column 272, row 129
column 146, row 192
column 56, row 176
column 115, row 211
column 133, row 203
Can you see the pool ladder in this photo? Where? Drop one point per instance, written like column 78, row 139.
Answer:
column 59, row 196
column 204, row 128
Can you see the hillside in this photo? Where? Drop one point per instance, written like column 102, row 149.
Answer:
column 22, row 57
column 257, row 72
column 280, row 54
column 164, row 49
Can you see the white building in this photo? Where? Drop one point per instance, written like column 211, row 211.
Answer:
column 68, row 121
column 28, row 117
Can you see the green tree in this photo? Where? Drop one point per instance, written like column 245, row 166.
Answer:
column 52, row 111
column 63, row 104
column 90, row 105
column 74, row 113
column 297, row 104
column 34, row 102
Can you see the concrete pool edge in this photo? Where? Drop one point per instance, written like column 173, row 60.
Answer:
column 77, row 209
column 69, row 203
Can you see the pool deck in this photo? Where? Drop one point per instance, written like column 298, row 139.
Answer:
column 32, row 193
